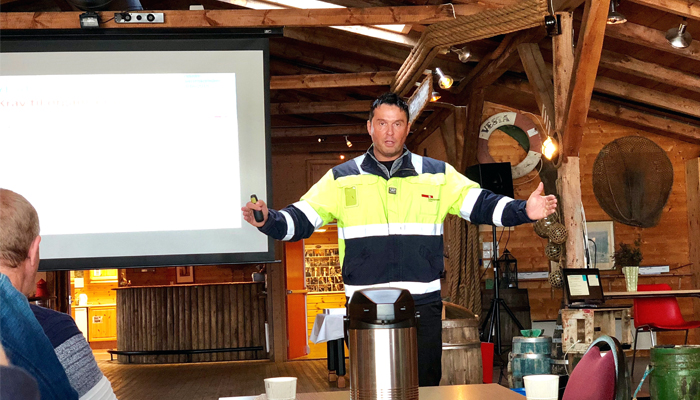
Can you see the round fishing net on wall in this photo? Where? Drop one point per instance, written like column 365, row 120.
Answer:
column 632, row 179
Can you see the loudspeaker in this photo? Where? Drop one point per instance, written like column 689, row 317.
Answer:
column 496, row 177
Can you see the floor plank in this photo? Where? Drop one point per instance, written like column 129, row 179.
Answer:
column 210, row 380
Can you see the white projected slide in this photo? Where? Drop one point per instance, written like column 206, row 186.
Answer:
column 137, row 152
column 123, row 153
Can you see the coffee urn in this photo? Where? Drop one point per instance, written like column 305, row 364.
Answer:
column 383, row 345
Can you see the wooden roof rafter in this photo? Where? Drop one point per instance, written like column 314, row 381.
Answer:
column 517, row 16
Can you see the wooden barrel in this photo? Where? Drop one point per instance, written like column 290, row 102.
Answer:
column 530, row 356
column 461, row 347
column 676, row 373
column 517, row 301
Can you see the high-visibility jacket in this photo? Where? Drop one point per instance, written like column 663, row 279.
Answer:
column 390, row 223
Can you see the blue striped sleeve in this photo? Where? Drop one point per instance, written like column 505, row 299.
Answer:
column 288, row 224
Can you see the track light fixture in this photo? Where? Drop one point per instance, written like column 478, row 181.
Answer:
column 463, row 54
column 614, row 17
column 348, row 142
column 679, row 38
column 435, row 96
column 444, row 81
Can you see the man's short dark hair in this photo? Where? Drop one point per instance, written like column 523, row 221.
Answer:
column 391, row 99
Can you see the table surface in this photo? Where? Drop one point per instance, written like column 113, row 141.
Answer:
column 490, row 391
column 655, row 293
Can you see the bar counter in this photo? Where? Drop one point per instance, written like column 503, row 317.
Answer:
column 187, row 321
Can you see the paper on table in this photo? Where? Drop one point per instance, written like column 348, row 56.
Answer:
column 578, row 285
column 593, row 280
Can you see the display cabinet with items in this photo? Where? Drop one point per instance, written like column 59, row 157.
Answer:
column 322, row 265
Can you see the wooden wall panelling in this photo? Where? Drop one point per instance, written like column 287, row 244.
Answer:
column 150, row 319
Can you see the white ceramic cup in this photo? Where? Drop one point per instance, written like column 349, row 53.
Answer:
column 282, row 388
column 541, row 387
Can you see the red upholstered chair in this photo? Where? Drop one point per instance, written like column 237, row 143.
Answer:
column 599, row 377
column 658, row 314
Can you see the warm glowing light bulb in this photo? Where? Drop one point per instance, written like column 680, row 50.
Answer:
column 435, row 96
column 342, row 156
column 549, row 148
column 446, row 82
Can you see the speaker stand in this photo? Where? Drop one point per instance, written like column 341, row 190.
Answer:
column 493, row 317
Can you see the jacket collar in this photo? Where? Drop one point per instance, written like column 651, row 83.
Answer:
column 402, row 168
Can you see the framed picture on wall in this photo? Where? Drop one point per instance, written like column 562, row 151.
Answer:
column 601, row 244
column 184, row 274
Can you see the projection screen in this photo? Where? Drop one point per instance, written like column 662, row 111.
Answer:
column 138, row 148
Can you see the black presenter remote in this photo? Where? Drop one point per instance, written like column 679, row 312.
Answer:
column 257, row 214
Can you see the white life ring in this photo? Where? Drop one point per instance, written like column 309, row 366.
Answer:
column 516, row 119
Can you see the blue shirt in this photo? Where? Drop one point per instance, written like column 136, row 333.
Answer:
column 28, row 347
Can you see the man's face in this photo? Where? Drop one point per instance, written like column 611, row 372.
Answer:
column 389, row 129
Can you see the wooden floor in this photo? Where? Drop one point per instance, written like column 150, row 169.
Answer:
column 235, row 378
column 210, row 380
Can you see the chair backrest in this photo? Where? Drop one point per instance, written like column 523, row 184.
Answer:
column 600, row 378
column 656, row 311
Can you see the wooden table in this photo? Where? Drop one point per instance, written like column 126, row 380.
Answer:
column 655, row 293
column 489, row 391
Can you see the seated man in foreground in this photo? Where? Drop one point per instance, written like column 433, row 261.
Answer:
column 19, row 261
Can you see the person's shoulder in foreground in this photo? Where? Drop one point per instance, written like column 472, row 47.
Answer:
column 28, row 348
column 75, row 354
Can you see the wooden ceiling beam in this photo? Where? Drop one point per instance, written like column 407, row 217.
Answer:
column 540, row 77
column 684, row 8
column 423, row 130
column 566, row 5
column 328, row 60
column 320, row 107
column 647, row 96
column 315, row 131
column 351, row 43
column 655, row 72
column 489, row 69
column 517, row 16
column 649, row 37
column 313, row 81
column 291, row 17
column 590, row 45
column 644, row 119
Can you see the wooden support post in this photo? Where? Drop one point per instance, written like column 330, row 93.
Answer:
column 692, row 181
column 572, row 218
column 563, row 55
column 569, row 173
column 474, row 112
column 590, row 45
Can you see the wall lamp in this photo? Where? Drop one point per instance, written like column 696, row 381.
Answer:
column 444, row 81
column 348, row 142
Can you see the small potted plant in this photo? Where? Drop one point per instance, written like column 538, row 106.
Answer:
column 628, row 259
column 628, row 256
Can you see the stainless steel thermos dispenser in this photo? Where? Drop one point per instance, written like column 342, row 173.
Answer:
column 383, row 346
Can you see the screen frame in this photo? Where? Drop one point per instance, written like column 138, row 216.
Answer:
column 155, row 39
column 595, row 293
